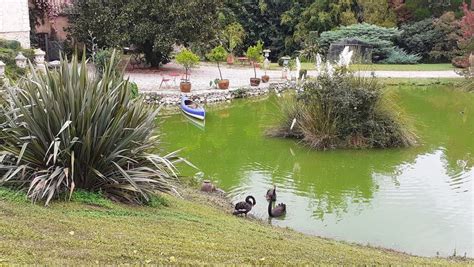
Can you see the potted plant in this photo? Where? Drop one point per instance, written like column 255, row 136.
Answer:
column 233, row 36
column 218, row 54
column 254, row 54
column 188, row 60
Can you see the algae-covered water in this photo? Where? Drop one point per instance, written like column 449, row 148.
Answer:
column 418, row 200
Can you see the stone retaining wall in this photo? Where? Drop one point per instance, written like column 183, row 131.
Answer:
column 210, row 96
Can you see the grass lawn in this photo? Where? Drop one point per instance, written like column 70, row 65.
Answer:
column 96, row 231
column 383, row 67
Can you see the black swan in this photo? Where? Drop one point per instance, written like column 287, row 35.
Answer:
column 278, row 211
column 271, row 194
column 244, row 207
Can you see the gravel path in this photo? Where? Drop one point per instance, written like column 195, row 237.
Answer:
column 149, row 80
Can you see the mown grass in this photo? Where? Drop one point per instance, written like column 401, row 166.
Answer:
column 91, row 230
column 382, row 67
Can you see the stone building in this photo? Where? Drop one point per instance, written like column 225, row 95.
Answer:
column 14, row 21
column 55, row 27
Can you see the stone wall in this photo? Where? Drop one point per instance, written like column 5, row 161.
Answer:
column 14, row 21
column 212, row 95
column 56, row 28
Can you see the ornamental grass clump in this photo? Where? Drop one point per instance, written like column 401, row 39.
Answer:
column 342, row 110
column 67, row 129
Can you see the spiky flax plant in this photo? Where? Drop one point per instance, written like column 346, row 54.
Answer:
column 67, row 128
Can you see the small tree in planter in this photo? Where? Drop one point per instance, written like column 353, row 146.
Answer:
column 233, row 36
column 218, row 54
column 188, row 60
column 254, row 54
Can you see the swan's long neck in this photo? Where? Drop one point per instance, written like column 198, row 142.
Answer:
column 270, row 208
column 250, row 200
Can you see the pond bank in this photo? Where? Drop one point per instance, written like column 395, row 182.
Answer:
column 188, row 231
column 209, row 96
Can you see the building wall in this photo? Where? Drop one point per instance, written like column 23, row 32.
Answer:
column 57, row 27
column 14, row 21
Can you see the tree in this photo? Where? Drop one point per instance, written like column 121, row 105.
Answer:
column 422, row 9
column 377, row 12
column 261, row 20
column 254, row 54
column 218, row 54
column 401, row 11
column 233, row 35
column 322, row 16
column 467, row 21
column 154, row 26
column 447, row 47
column 466, row 40
column 420, row 37
column 188, row 60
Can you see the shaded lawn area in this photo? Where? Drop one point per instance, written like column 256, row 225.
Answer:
column 184, row 232
column 382, row 67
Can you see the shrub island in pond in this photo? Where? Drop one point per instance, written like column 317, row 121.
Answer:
column 339, row 109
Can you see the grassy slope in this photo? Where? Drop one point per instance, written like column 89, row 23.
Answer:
column 383, row 67
column 184, row 232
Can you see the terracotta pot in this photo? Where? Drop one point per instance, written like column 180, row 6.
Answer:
column 207, row 186
column 185, row 87
column 223, row 84
column 265, row 78
column 230, row 59
column 254, row 81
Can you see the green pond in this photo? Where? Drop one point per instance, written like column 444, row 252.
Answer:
column 417, row 200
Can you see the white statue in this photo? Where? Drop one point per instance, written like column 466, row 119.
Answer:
column 345, row 57
column 329, row 69
column 298, row 68
column 319, row 63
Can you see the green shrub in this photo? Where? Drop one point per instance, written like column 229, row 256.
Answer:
column 233, row 35
column 8, row 52
column 133, row 87
column 68, row 130
column 12, row 195
column 420, row 37
column 344, row 111
column 158, row 201
column 399, row 56
column 91, row 198
column 187, row 59
column 446, row 47
column 10, row 44
column 103, row 58
column 254, row 54
column 382, row 39
column 218, row 54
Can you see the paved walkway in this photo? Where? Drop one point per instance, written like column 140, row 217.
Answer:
column 239, row 76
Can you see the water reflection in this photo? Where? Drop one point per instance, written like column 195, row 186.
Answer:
column 417, row 200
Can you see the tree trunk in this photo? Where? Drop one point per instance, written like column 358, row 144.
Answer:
column 153, row 58
column 254, row 69
column 219, row 68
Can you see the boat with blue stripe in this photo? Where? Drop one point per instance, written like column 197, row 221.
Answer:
column 192, row 109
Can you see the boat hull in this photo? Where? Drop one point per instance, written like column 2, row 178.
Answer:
column 198, row 113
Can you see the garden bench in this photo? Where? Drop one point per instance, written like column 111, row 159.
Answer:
column 242, row 60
